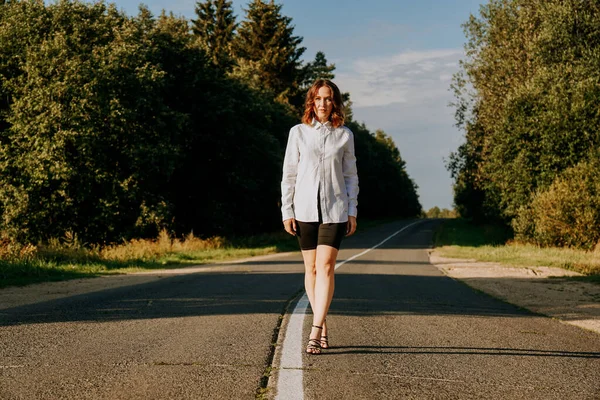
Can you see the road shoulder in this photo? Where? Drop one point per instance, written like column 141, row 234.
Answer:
column 543, row 290
column 16, row 296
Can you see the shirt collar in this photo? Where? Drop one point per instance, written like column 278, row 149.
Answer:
column 317, row 124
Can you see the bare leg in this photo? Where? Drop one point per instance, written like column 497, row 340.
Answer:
column 310, row 277
column 324, row 286
column 310, row 274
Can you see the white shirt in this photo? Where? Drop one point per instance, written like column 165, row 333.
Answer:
column 319, row 156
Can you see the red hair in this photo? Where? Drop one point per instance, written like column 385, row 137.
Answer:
column 337, row 113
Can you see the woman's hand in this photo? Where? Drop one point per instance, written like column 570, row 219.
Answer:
column 351, row 226
column 290, row 226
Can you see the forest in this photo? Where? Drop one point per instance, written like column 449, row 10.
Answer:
column 115, row 127
column 528, row 101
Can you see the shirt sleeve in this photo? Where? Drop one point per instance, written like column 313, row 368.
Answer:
column 290, row 171
column 350, row 175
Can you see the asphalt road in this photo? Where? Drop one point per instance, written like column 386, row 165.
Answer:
column 399, row 329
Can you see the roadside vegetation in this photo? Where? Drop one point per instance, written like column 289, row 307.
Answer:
column 527, row 99
column 114, row 127
column 458, row 238
column 436, row 212
column 528, row 173
column 70, row 258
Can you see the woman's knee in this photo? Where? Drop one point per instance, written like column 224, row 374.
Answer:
column 327, row 267
column 310, row 269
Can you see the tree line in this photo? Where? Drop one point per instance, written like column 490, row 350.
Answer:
column 436, row 212
column 115, row 126
column 527, row 98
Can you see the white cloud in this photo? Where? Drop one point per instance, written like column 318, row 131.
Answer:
column 407, row 77
column 407, row 95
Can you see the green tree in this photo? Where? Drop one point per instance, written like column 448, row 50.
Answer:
column 267, row 52
column 215, row 26
column 386, row 190
column 567, row 213
column 228, row 180
column 113, row 126
column 87, row 148
column 317, row 69
column 527, row 100
column 434, row 212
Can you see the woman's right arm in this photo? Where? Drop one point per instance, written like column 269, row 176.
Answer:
column 288, row 180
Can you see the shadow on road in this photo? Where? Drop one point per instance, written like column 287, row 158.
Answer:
column 266, row 286
column 484, row 351
column 250, row 293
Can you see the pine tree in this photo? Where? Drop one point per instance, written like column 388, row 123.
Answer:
column 268, row 54
column 215, row 27
column 318, row 69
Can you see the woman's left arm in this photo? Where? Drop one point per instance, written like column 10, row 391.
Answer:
column 351, row 181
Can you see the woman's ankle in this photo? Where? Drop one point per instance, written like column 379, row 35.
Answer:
column 315, row 331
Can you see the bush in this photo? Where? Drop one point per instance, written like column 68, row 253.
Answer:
column 567, row 213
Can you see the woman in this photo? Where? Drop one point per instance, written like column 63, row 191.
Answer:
column 319, row 196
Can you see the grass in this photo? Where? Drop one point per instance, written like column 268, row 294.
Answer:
column 460, row 233
column 68, row 258
column 459, row 239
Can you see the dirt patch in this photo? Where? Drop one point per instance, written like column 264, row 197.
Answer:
column 543, row 290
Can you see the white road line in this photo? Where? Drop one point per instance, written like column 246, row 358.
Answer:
column 376, row 246
column 290, row 382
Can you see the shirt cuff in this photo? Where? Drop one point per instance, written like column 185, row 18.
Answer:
column 352, row 211
column 287, row 214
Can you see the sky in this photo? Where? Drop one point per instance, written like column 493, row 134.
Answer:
column 396, row 58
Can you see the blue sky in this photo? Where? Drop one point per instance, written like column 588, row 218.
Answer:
column 396, row 58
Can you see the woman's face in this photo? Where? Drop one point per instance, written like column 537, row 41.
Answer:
column 323, row 103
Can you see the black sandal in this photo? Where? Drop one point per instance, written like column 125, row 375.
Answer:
column 324, row 341
column 314, row 345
